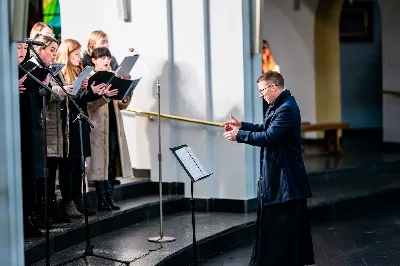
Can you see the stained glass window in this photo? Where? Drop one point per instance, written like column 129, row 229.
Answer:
column 51, row 15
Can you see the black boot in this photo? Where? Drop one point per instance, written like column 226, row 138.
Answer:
column 81, row 207
column 110, row 190
column 30, row 230
column 101, row 196
column 38, row 214
column 55, row 213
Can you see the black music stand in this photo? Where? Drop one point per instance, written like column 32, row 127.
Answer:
column 193, row 168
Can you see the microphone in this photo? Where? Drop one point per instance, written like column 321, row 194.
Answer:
column 32, row 42
column 133, row 50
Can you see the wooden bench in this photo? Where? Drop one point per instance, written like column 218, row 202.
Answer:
column 331, row 134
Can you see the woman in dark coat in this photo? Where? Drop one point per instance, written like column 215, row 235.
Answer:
column 32, row 145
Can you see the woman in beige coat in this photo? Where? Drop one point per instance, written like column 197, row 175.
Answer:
column 110, row 155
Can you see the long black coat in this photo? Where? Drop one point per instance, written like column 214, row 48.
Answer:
column 32, row 138
column 283, row 175
column 81, row 99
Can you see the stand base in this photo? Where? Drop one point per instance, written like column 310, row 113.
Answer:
column 161, row 239
column 89, row 253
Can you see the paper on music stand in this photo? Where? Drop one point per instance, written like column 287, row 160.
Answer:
column 78, row 82
column 190, row 163
column 126, row 66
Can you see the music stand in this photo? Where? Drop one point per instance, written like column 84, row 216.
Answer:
column 194, row 169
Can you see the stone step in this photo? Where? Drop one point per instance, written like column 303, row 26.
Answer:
column 132, row 211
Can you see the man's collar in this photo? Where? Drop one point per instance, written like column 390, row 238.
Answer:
column 282, row 97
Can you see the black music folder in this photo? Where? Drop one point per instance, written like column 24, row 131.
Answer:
column 30, row 84
column 126, row 66
column 189, row 162
column 125, row 87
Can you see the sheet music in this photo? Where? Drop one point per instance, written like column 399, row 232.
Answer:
column 78, row 82
column 56, row 68
column 126, row 66
column 191, row 163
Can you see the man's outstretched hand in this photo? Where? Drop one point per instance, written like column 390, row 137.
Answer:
column 234, row 123
column 232, row 128
column 231, row 134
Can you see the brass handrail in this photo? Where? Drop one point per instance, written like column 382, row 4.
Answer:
column 393, row 93
column 150, row 115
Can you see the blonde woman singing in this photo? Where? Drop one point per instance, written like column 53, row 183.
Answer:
column 69, row 53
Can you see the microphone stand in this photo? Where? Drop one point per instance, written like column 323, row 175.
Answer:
column 161, row 238
column 89, row 247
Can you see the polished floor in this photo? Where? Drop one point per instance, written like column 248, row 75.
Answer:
column 370, row 239
column 356, row 152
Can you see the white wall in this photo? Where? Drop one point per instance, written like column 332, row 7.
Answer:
column 202, row 76
column 391, row 68
column 290, row 34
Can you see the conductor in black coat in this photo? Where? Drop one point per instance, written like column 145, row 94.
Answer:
column 284, row 234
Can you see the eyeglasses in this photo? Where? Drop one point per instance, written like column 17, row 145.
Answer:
column 266, row 88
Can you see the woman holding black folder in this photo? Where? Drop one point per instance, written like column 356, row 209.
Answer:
column 110, row 155
column 70, row 168
column 54, row 137
column 32, row 143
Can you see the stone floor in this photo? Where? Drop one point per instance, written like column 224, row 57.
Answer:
column 356, row 152
column 372, row 238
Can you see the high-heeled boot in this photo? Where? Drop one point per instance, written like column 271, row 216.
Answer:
column 109, row 195
column 101, row 196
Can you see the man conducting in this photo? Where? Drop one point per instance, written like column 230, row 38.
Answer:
column 283, row 224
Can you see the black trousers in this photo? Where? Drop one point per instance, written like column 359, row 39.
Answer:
column 52, row 165
column 71, row 179
column 283, row 235
column 28, row 196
